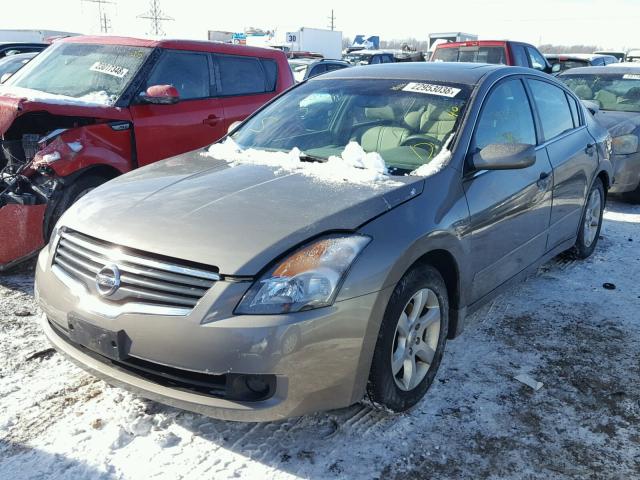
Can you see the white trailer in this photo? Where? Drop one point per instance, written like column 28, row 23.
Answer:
column 317, row 40
column 31, row 36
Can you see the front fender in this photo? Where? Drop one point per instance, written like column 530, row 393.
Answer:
column 79, row 148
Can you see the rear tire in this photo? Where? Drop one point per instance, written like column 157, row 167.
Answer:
column 591, row 222
column 411, row 340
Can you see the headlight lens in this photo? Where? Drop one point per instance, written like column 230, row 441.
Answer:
column 625, row 144
column 308, row 278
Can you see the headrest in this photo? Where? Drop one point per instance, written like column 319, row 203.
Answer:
column 379, row 113
column 583, row 92
column 412, row 119
column 436, row 115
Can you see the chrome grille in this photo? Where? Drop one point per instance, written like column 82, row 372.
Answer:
column 144, row 277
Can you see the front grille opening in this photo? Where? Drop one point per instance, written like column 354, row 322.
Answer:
column 231, row 386
column 144, row 277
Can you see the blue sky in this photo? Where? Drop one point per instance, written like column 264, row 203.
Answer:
column 608, row 23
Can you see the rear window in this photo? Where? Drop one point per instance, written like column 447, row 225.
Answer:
column 246, row 75
column 471, row 54
column 568, row 64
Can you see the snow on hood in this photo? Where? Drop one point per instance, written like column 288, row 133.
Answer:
column 93, row 99
column 437, row 163
column 354, row 165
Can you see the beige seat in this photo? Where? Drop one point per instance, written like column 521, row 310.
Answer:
column 437, row 123
column 606, row 99
column 382, row 137
column 584, row 92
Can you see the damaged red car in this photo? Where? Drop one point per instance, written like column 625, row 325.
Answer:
column 91, row 108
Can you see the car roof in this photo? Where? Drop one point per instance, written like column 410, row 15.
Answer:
column 610, row 69
column 578, row 56
column 480, row 43
column 455, row 72
column 175, row 44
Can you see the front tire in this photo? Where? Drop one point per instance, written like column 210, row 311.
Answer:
column 591, row 222
column 411, row 340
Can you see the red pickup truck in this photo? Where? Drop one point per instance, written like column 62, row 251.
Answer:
column 505, row 52
column 91, row 108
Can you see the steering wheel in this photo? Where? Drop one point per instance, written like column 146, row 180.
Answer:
column 425, row 142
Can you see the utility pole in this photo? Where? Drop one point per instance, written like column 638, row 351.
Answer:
column 105, row 23
column 332, row 18
column 156, row 15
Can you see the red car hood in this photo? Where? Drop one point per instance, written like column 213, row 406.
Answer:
column 18, row 101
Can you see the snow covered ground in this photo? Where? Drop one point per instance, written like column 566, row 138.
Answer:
column 561, row 327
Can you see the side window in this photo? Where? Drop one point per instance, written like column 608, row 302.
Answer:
column 553, row 108
column 317, row 70
column 271, row 71
column 187, row 71
column 505, row 117
column 597, row 62
column 574, row 110
column 519, row 55
column 387, row 59
column 376, row 59
column 241, row 75
column 334, row 66
column 537, row 60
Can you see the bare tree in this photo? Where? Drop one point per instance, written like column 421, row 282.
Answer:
column 549, row 48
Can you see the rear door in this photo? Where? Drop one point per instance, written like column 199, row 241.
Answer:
column 510, row 209
column 196, row 120
column 572, row 154
column 244, row 84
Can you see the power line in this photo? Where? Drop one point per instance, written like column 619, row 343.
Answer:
column 332, row 26
column 105, row 23
column 157, row 16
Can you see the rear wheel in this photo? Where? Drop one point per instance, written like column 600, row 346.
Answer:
column 411, row 340
column 591, row 222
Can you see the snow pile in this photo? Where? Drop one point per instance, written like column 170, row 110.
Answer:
column 437, row 163
column 93, row 99
column 354, row 165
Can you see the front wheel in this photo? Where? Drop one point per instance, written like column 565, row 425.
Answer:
column 591, row 222
column 411, row 340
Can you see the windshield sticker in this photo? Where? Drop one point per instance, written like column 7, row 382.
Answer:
column 108, row 69
column 631, row 76
column 431, row 89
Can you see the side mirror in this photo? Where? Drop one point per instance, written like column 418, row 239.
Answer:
column 233, row 126
column 593, row 107
column 161, row 95
column 5, row 77
column 505, row 156
column 555, row 68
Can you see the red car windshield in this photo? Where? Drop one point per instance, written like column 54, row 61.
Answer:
column 90, row 72
column 473, row 54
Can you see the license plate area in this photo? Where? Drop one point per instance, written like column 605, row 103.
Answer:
column 112, row 344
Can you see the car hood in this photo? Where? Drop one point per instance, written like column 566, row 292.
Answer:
column 618, row 123
column 236, row 218
column 15, row 102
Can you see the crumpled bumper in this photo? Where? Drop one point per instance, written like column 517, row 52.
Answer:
column 626, row 173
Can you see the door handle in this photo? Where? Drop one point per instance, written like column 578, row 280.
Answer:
column 543, row 181
column 589, row 148
column 211, row 120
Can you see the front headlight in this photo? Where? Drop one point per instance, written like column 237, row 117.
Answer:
column 308, row 278
column 625, row 144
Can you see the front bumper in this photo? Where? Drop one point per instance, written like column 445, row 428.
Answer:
column 320, row 358
column 626, row 173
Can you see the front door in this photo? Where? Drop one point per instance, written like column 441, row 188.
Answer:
column 509, row 209
column 197, row 119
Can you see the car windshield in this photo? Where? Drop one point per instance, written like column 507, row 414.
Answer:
column 97, row 73
column 406, row 122
column 358, row 59
column 299, row 70
column 618, row 91
column 12, row 64
column 570, row 63
column 470, row 54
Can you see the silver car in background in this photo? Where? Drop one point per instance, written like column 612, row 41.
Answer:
column 330, row 245
column 614, row 92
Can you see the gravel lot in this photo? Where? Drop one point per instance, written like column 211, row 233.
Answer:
column 561, row 327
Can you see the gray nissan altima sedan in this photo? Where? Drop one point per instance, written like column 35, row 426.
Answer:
column 327, row 248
